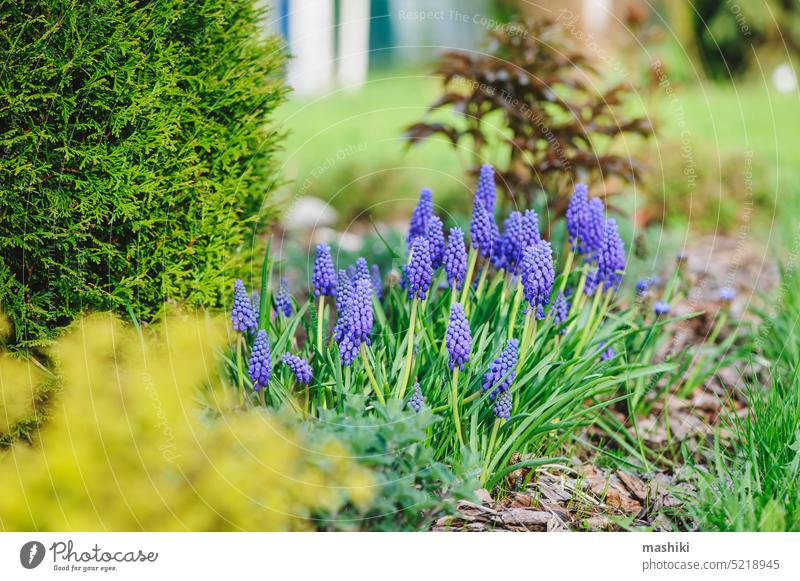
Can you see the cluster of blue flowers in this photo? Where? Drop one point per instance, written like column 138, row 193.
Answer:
column 324, row 277
column 607, row 354
column 538, row 275
column 455, row 258
column 502, row 405
column 517, row 249
column 502, row 370
column 421, row 216
column 283, row 300
column 242, row 314
column 419, row 271
column 357, row 322
column 417, row 399
column 458, row 339
column 585, row 219
column 661, row 308
column 597, row 239
column 300, row 368
column 260, row 368
column 561, row 310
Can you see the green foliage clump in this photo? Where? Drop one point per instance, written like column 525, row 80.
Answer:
column 751, row 484
column 412, row 489
column 135, row 153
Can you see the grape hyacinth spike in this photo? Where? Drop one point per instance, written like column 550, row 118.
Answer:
column 260, row 366
column 242, row 315
column 324, row 276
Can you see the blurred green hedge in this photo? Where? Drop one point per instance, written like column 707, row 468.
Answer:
column 135, row 153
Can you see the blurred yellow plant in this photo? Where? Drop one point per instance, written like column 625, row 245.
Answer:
column 129, row 445
column 20, row 383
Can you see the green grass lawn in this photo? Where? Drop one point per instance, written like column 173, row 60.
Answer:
column 346, row 147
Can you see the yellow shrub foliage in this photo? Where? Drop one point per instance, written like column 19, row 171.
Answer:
column 129, row 445
column 20, row 382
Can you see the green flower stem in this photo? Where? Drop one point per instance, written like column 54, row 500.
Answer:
column 478, row 290
column 589, row 323
column 471, row 398
column 468, row 399
column 262, row 396
column 370, row 375
column 453, row 294
column 473, row 258
column 454, row 402
column 481, row 283
column 320, row 315
column 525, row 332
column 528, row 337
column 579, row 295
column 240, row 366
column 409, row 350
column 514, row 310
column 603, row 310
column 306, row 398
column 423, row 304
column 567, row 269
column 490, row 449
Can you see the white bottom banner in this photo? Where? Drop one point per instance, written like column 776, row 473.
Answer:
column 355, row 556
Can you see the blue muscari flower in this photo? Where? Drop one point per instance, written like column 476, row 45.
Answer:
column 498, row 255
column 530, row 231
column 435, row 238
column 503, row 404
column 361, row 270
column 538, row 274
column 324, row 276
column 611, row 256
column 727, row 294
column 455, row 258
column 260, row 366
column 642, row 286
column 357, row 324
column 585, row 221
column 419, row 270
column 283, row 300
column 458, row 338
column 300, row 368
column 242, row 315
column 502, row 370
column 418, row 226
column 607, row 354
column 344, row 293
column 560, row 310
column 577, row 216
column 661, row 308
column 417, row 399
column 486, row 192
column 482, row 230
column 593, row 232
column 511, row 241
column 377, row 281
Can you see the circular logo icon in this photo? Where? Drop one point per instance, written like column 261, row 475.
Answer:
column 31, row 554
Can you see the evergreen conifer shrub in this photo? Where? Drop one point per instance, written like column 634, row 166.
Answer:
column 136, row 153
